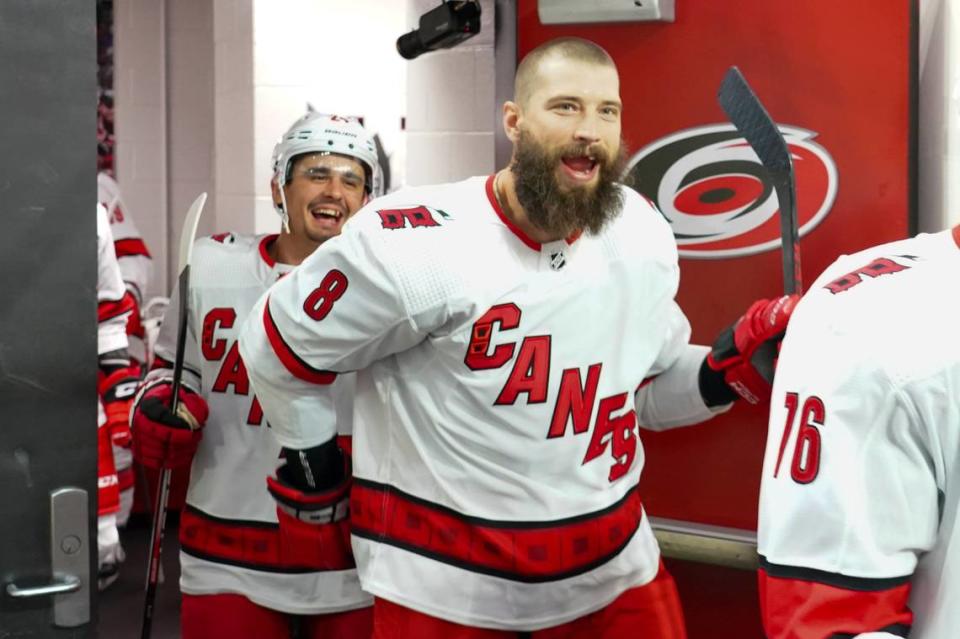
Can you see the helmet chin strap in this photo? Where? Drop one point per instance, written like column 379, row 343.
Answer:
column 284, row 216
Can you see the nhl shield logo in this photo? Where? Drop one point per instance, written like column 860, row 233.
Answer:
column 711, row 187
column 557, row 260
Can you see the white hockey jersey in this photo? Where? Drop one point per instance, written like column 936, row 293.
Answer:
column 496, row 456
column 861, row 479
column 132, row 254
column 113, row 308
column 229, row 535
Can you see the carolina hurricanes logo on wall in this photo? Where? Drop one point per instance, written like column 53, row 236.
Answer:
column 711, row 187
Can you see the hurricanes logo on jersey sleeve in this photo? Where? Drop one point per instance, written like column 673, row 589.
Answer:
column 411, row 217
column 876, row 268
column 223, row 238
column 711, row 187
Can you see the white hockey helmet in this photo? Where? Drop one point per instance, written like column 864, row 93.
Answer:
column 327, row 134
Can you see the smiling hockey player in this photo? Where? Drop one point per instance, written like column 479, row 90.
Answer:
column 511, row 333
column 242, row 575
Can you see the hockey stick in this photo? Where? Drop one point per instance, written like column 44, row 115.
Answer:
column 746, row 112
column 187, row 235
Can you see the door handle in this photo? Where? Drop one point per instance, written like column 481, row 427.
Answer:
column 69, row 561
column 62, row 585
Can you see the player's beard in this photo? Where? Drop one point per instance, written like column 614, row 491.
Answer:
column 557, row 209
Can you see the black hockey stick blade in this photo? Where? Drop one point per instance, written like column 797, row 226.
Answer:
column 747, row 113
column 187, row 236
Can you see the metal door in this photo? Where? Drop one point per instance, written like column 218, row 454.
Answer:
column 47, row 318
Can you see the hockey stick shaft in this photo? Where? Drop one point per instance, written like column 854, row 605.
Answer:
column 187, row 236
column 163, row 489
column 748, row 114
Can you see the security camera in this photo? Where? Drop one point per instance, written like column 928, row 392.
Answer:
column 441, row 28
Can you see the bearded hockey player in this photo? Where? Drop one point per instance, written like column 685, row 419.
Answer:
column 243, row 575
column 859, row 528
column 135, row 264
column 510, row 334
column 116, row 384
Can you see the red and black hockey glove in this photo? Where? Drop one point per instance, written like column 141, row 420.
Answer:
column 312, row 491
column 117, row 390
column 162, row 439
column 744, row 356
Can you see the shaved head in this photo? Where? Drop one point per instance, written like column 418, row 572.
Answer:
column 565, row 125
column 576, row 49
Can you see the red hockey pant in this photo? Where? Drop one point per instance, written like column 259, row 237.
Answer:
column 651, row 611
column 231, row 616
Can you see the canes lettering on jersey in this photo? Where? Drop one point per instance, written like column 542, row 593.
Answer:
column 232, row 371
column 495, row 446
column 530, row 375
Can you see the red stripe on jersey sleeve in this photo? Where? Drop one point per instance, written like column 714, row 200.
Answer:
column 129, row 247
column 107, row 309
column 290, row 360
column 798, row 608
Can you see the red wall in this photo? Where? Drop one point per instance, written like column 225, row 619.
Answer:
column 842, row 70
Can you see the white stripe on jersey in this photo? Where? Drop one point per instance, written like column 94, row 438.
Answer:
column 112, row 331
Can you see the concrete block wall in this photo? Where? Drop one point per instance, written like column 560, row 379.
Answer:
column 232, row 121
column 451, row 107
column 190, row 114
column 141, row 137
column 163, row 86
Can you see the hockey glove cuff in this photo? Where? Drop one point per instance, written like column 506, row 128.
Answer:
column 314, row 524
column 117, row 390
column 744, row 355
column 162, row 439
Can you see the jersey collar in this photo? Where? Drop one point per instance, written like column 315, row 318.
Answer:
column 523, row 237
column 264, row 253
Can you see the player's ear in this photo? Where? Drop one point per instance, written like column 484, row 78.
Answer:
column 275, row 192
column 511, row 120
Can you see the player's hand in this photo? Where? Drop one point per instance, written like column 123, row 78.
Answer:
column 162, row 439
column 745, row 354
column 116, row 392
column 314, row 524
